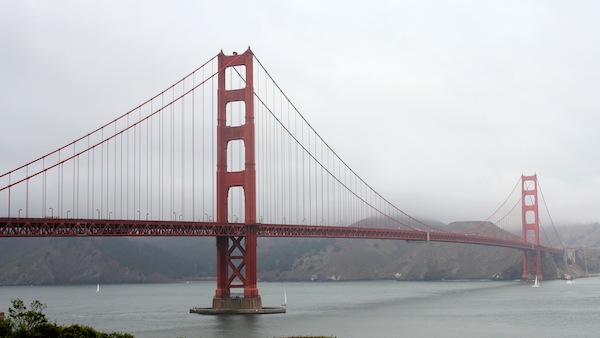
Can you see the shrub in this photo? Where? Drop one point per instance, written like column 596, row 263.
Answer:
column 23, row 323
column 24, row 319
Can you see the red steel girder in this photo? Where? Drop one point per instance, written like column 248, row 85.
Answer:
column 52, row 227
column 236, row 261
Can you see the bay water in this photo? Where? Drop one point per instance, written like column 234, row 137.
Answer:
column 338, row 309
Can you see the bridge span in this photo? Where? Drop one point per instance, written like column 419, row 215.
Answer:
column 54, row 227
column 223, row 152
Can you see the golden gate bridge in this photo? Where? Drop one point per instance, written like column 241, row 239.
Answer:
column 224, row 153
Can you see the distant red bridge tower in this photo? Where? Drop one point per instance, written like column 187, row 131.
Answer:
column 529, row 207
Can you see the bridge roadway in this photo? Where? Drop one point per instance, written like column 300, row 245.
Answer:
column 60, row 227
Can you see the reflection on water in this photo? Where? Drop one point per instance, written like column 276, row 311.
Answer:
column 237, row 326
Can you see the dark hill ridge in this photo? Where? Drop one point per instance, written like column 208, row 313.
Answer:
column 160, row 259
column 385, row 259
column 89, row 260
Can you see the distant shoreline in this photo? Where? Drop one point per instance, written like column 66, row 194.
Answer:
column 212, row 279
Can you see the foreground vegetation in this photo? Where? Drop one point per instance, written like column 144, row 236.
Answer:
column 24, row 323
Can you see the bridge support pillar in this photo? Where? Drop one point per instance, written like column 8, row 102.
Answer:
column 236, row 255
column 532, row 259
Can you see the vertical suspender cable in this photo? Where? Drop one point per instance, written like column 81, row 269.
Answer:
column 152, row 150
column 102, row 171
column 135, row 172
column 121, row 177
column 93, row 182
column 161, row 159
column 9, row 190
column 194, row 147
column 282, row 159
column 172, row 156
column 212, row 137
column 183, row 152
column 44, row 188
column 115, row 172
column 322, row 190
column 241, row 150
column 127, row 175
column 27, row 191
column 58, row 188
column 148, row 145
column 138, row 127
column 203, row 137
column 289, row 173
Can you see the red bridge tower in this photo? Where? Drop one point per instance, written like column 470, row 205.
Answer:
column 236, row 256
column 529, row 208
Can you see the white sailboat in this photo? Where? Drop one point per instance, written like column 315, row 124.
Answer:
column 98, row 288
column 284, row 304
column 536, row 284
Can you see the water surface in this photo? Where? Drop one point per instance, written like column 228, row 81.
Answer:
column 340, row 309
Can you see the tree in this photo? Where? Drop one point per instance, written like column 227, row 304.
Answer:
column 23, row 323
column 6, row 327
column 24, row 319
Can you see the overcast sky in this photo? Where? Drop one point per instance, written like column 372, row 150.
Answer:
column 439, row 105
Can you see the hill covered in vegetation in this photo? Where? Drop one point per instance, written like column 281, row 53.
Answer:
column 159, row 259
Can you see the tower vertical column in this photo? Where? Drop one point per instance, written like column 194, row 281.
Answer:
column 530, row 222
column 236, row 256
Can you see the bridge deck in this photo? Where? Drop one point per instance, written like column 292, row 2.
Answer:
column 55, row 227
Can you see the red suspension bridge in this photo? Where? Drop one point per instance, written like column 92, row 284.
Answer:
column 151, row 172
